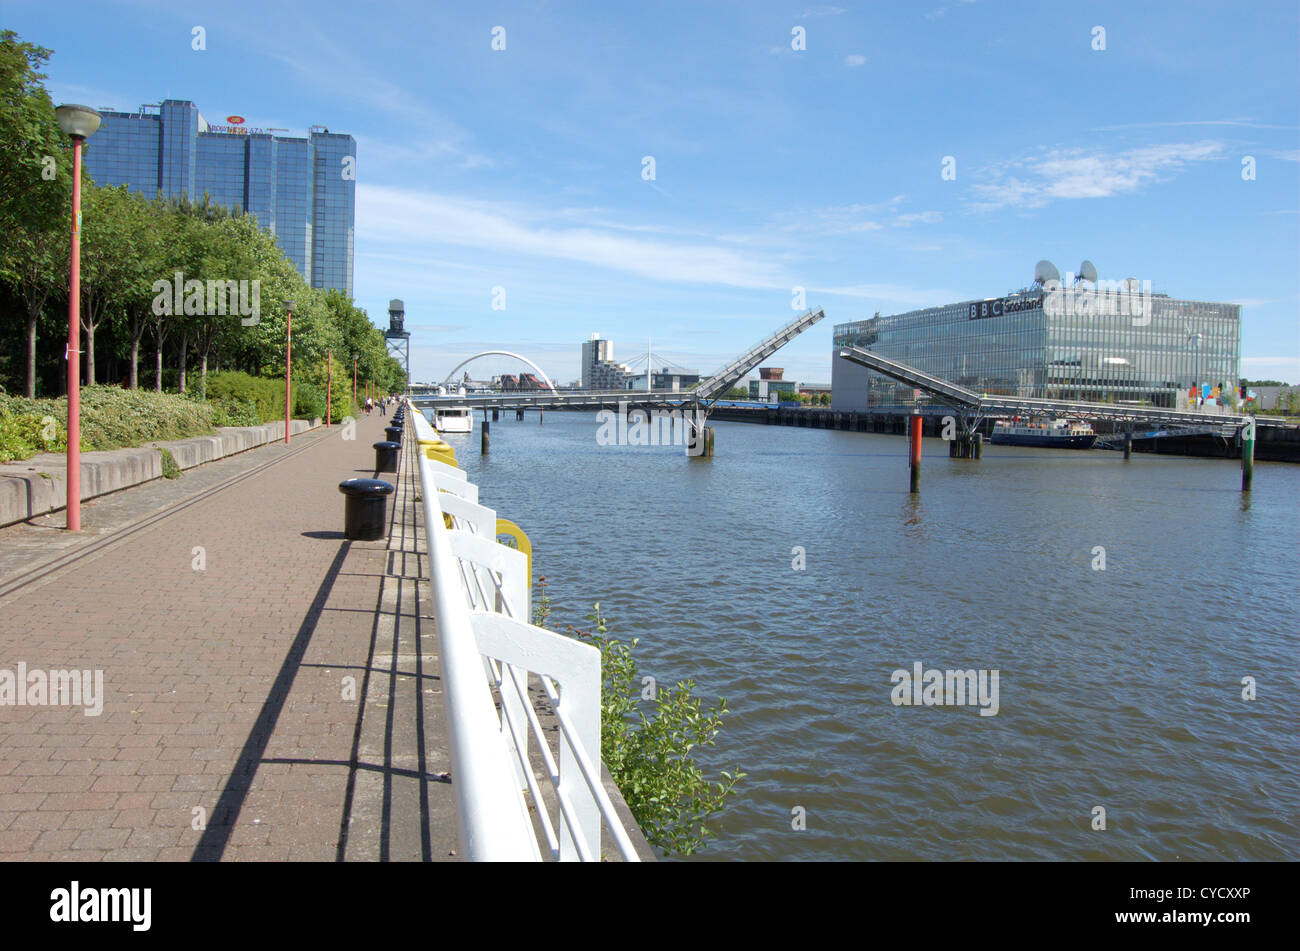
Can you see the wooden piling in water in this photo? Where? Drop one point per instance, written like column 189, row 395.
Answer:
column 1247, row 456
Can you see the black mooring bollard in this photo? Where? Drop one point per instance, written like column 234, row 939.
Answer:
column 365, row 508
column 393, row 433
column 386, row 456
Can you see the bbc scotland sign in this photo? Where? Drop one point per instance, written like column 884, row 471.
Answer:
column 1003, row 305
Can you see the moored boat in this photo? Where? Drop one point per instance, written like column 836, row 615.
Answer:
column 1050, row 433
column 453, row 419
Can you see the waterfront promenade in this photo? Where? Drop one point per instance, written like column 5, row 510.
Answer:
column 269, row 690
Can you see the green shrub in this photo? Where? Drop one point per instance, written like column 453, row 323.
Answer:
column 231, row 387
column 229, row 412
column 111, row 418
column 233, row 392
column 24, row 427
column 649, row 757
column 171, row 470
column 308, row 401
column 114, row 418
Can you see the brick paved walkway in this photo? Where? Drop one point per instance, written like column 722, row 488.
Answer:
column 227, row 691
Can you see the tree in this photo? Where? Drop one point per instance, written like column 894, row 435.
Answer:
column 145, row 223
column 35, row 187
column 110, row 267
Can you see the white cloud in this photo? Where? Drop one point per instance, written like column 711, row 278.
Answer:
column 854, row 60
column 850, row 219
column 821, row 11
column 421, row 220
column 1073, row 173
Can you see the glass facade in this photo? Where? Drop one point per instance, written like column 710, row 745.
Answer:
column 1100, row 344
column 302, row 190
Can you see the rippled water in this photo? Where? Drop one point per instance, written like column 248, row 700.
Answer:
column 1118, row 688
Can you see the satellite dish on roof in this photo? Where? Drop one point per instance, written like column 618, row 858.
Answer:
column 1045, row 271
column 1088, row 272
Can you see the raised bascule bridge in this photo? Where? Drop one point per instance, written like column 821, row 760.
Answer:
column 1132, row 422
column 971, row 407
column 695, row 403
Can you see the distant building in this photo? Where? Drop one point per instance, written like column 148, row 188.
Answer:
column 599, row 371
column 771, row 384
column 1095, row 341
column 302, row 190
column 665, row 379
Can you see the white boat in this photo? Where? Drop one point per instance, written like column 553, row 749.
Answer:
column 453, row 419
column 1050, row 433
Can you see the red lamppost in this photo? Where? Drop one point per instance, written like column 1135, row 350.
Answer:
column 354, row 381
column 288, row 363
column 78, row 122
column 329, row 376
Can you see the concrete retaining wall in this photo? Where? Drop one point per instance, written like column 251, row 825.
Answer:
column 39, row 485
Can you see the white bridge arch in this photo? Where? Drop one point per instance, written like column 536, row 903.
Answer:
column 501, row 353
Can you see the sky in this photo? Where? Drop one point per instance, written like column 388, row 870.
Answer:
column 1159, row 140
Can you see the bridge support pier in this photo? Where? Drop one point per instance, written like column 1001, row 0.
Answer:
column 1128, row 445
column 541, row 415
column 519, row 415
column 496, row 414
column 699, row 439
column 966, row 446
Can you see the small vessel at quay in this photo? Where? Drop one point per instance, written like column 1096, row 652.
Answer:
column 1051, row 433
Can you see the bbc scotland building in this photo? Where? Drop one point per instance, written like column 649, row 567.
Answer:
column 302, row 190
column 1109, row 342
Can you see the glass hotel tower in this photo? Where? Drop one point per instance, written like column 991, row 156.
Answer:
column 1138, row 348
column 296, row 187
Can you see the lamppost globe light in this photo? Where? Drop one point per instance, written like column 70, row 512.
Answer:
column 78, row 121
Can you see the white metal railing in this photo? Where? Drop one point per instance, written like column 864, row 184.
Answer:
column 481, row 597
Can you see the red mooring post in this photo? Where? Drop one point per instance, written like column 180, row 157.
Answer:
column 915, row 457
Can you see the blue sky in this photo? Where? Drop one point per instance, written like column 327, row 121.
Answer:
column 774, row 168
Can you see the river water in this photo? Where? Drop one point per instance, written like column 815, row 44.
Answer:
column 1118, row 687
